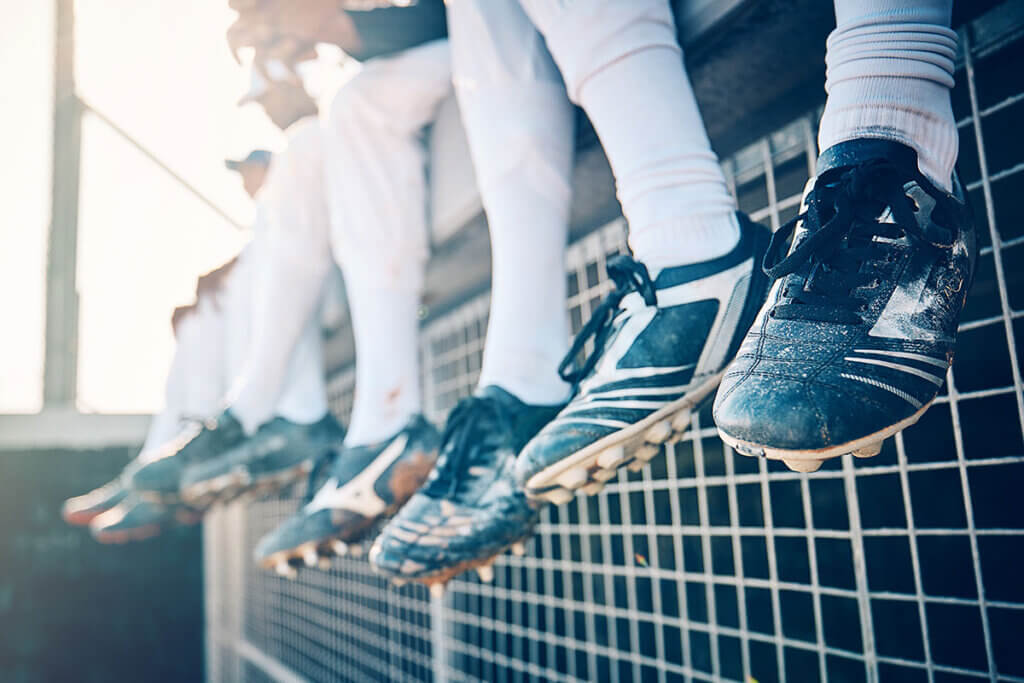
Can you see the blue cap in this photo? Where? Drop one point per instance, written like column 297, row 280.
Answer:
column 257, row 156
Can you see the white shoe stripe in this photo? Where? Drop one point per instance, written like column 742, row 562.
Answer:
column 902, row 368
column 888, row 387
column 910, row 356
column 603, row 422
column 358, row 494
column 637, row 391
column 589, row 405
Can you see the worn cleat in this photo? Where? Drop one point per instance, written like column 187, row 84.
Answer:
column 159, row 478
column 486, row 573
column 518, row 549
column 81, row 510
column 366, row 483
column 858, row 333
column 356, row 550
column 324, row 563
column 636, row 465
column 437, row 590
column 660, row 346
column 136, row 519
column 604, row 476
column 278, row 454
column 681, row 422
column 471, row 509
column 646, row 452
column 593, row 488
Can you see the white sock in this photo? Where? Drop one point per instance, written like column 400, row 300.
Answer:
column 285, row 304
column 520, row 128
column 385, row 324
column 623, row 65
column 528, row 327
column 890, row 71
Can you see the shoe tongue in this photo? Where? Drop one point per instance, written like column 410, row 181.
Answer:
column 503, row 397
column 857, row 152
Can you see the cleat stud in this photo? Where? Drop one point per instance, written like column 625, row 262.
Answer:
column 611, row 458
column 803, row 465
column 519, row 548
column 869, row 450
column 340, row 548
column 285, row 570
column 486, row 573
column 659, row 432
column 356, row 550
column 324, row 563
column 647, row 452
column 636, row 465
column 681, row 422
column 398, row 583
column 593, row 488
column 559, row 496
column 437, row 590
column 604, row 475
column 573, row 479
column 374, row 553
column 310, row 557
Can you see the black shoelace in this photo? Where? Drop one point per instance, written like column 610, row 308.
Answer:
column 476, row 427
column 628, row 276
column 842, row 220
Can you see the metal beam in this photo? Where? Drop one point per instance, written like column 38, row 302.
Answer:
column 61, row 360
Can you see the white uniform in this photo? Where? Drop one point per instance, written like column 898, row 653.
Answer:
column 375, row 160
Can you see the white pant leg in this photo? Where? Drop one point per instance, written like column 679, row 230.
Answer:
column 283, row 369
column 622, row 63
column 519, row 124
column 375, row 162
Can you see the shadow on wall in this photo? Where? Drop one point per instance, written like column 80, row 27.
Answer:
column 74, row 610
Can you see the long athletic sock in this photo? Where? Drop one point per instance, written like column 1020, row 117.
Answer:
column 623, row 65
column 519, row 125
column 386, row 327
column 890, row 71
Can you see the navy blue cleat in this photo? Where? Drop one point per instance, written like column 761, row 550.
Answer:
column 81, row 510
column 280, row 453
column 158, row 478
column 660, row 347
column 471, row 509
column 858, row 332
column 365, row 484
column 137, row 519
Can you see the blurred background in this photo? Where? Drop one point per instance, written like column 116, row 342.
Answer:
column 115, row 119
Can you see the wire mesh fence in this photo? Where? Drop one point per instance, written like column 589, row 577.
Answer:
column 707, row 565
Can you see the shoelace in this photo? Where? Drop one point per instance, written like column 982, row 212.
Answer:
column 628, row 276
column 476, row 426
column 842, row 222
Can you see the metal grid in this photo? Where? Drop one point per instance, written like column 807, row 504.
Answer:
column 708, row 565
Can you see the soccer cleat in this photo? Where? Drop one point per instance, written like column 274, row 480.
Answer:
column 81, row 510
column 471, row 509
column 859, row 329
column 278, row 454
column 660, row 347
column 159, row 478
column 136, row 519
column 366, row 483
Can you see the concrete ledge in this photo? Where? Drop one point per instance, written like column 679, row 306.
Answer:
column 68, row 428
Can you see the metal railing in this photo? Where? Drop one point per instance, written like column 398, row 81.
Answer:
column 707, row 565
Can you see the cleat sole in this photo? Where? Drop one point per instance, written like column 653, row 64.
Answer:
column 801, row 460
column 632, row 446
